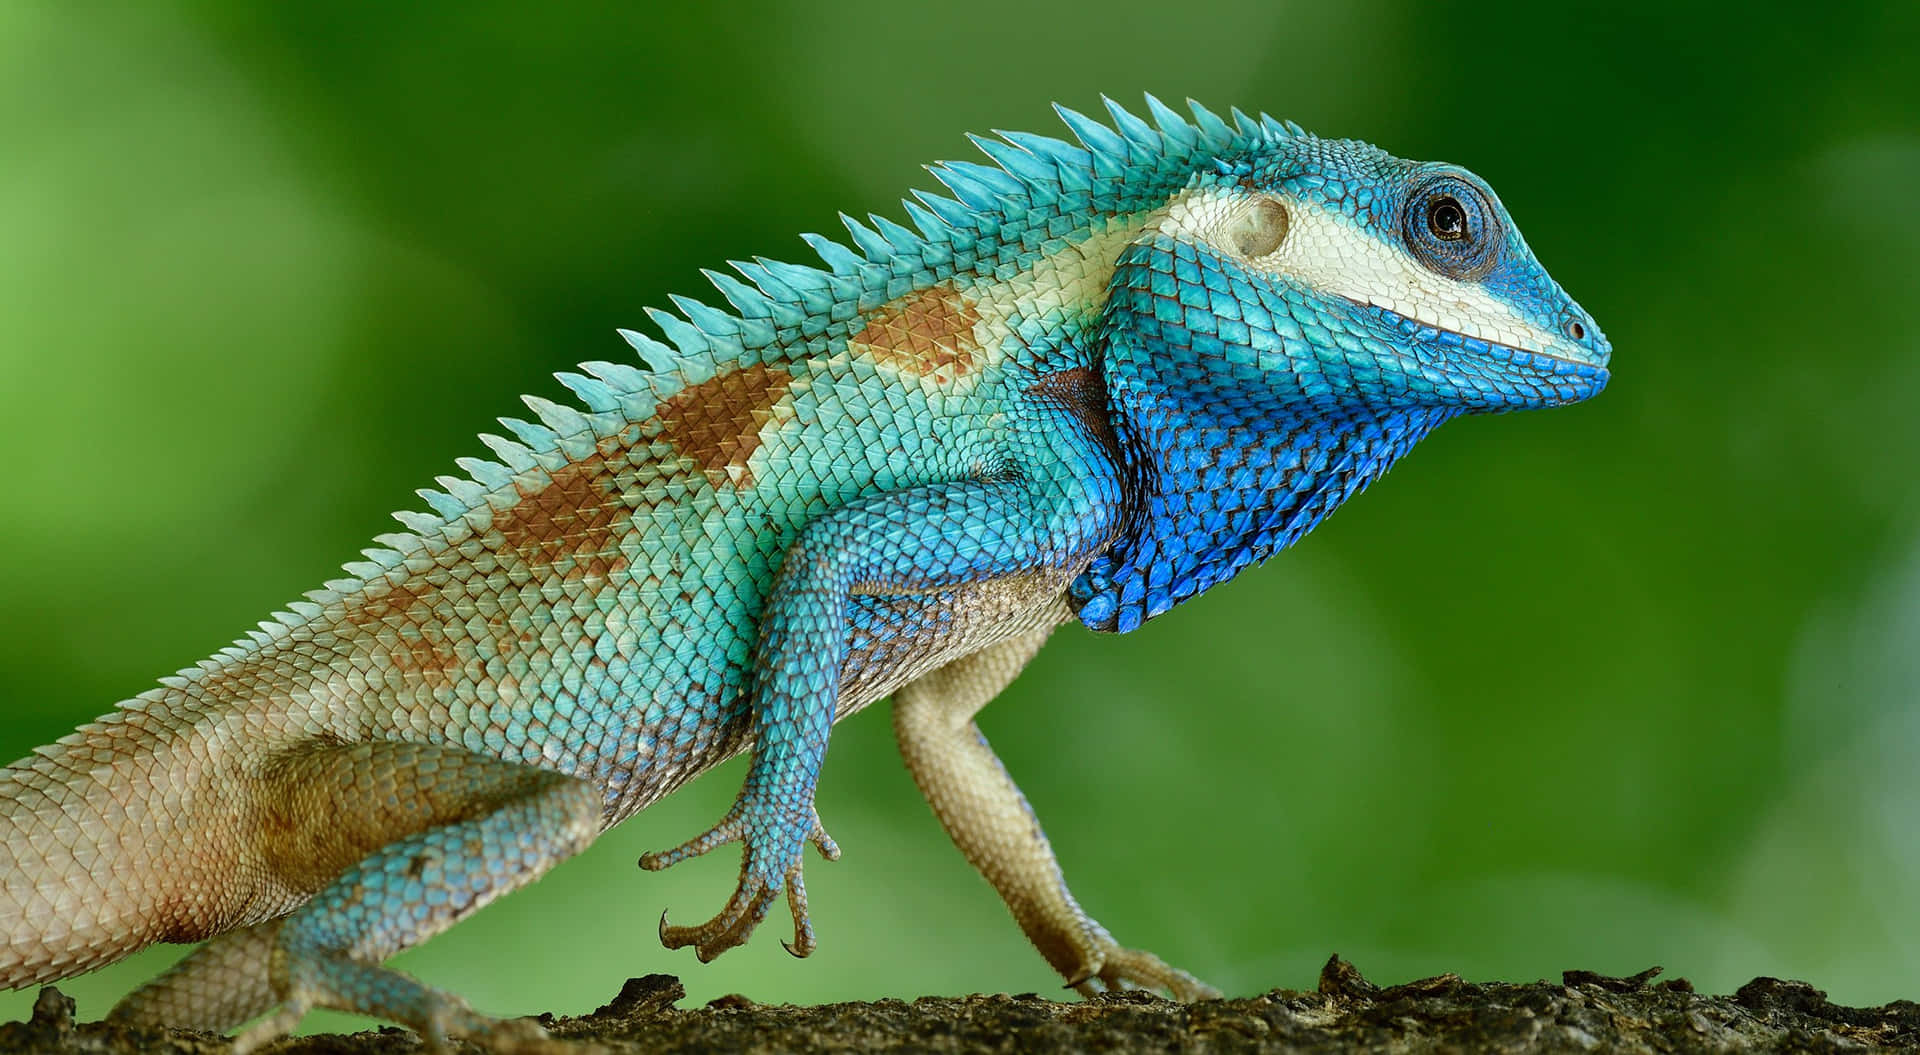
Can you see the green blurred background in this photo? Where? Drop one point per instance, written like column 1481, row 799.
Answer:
column 1622, row 684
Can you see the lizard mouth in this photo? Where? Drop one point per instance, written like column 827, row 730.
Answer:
column 1419, row 332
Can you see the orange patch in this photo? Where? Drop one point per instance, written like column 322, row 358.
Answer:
column 927, row 332
column 391, row 607
column 568, row 527
column 575, row 519
column 425, row 650
column 405, row 616
column 716, row 424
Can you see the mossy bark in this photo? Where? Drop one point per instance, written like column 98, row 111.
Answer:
column 1583, row 1012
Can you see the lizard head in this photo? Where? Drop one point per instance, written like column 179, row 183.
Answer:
column 1291, row 317
column 1340, row 274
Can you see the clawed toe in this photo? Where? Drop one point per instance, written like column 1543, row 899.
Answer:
column 823, row 842
column 803, row 942
column 724, row 931
column 1122, row 968
column 727, row 831
column 759, row 885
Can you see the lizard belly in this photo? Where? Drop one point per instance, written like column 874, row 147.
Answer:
column 895, row 638
column 892, row 639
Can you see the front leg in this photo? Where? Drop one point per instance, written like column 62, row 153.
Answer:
column 928, row 538
column 990, row 821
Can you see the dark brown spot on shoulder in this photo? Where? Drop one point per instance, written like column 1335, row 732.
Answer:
column 928, row 332
column 716, row 424
column 1080, row 392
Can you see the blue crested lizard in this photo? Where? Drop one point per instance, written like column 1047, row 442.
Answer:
column 1097, row 379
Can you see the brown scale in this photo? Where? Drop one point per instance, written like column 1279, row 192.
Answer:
column 397, row 617
column 716, row 424
column 928, row 332
column 570, row 526
column 577, row 518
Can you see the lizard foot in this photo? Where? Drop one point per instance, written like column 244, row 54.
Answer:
column 442, row 1017
column 759, row 885
column 1123, row 968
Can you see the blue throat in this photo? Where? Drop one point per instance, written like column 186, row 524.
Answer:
column 1220, row 485
column 1230, row 455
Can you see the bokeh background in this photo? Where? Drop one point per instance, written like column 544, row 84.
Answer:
column 1628, row 683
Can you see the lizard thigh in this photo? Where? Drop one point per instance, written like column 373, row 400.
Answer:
column 394, row 843
column 329, row 950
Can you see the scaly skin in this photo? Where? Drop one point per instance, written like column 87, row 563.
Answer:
column 1097, row 380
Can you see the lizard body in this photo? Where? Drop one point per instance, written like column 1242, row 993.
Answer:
column 1098, row 379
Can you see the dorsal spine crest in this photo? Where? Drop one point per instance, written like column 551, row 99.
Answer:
column 1036, row 193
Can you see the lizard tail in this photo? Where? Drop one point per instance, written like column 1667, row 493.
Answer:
column 108, row 843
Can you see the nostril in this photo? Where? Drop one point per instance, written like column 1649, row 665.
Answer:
column 1577, row 330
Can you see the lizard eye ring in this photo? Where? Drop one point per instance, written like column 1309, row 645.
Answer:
column 1450, row 226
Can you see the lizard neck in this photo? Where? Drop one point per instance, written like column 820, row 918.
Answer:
column 1223, row 475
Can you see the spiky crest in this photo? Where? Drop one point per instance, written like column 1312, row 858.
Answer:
column 1037, row 189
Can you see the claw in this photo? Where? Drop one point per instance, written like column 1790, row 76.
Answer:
column 754, row 895
column 803, row 942
column 743, row 912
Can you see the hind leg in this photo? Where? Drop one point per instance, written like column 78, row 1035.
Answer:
column 988, row 818
column 222, row 984
column 397, row 842
column 329, row 951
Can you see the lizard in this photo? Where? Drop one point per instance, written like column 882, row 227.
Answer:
column 1093, row 379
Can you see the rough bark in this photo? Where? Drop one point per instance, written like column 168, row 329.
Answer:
column 1584, row 1012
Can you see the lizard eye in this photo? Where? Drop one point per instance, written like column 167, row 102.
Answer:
column 1452, row 229
column 1446, row 219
